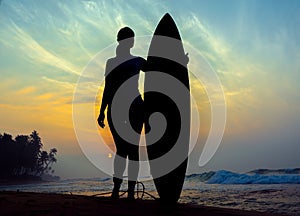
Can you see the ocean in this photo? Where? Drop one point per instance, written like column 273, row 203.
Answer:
column 261, row 190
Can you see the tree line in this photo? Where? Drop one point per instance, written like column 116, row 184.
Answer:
column 23, row 156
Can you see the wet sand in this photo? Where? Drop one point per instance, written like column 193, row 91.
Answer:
column 27, row 203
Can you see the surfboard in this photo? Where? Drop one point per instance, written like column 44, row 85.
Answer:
column 167, row 104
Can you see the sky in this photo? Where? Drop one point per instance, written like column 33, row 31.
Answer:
column 253, row 47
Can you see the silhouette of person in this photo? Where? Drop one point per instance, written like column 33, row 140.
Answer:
column 124, row 67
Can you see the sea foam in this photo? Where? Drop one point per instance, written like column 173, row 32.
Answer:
column 253, row 177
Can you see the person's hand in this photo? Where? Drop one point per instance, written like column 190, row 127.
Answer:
column 101, row 120
column 187, row 59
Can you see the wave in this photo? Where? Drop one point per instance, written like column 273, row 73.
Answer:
column 96, row 179
column 276, row 171
column 261, row 176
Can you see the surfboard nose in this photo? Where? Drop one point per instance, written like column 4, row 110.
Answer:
column 167, row 27
column 166, row 41
column 167, row 16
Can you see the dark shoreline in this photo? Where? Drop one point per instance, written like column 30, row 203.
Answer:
column 22, row 182
column 29, row 203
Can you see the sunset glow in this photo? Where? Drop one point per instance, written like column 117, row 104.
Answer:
column 253, row 46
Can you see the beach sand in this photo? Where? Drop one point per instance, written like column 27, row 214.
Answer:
column 27, row 203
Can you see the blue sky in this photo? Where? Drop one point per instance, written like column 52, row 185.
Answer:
column 254, row 47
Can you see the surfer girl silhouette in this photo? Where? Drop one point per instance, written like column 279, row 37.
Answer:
column 124, row 67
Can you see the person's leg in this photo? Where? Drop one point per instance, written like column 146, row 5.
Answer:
column 119, row 163
column 133, row 164
column 117, row 184
column 133, row 169
column 119, row 160
column 136, row 116
column 119, row 168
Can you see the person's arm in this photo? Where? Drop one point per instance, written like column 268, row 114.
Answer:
column 104, row 102
column 102, row 109
column 186, row 58
column 143, row 64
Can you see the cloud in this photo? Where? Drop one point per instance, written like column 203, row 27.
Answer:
column 253, row 89
column 37, row 53
column 66, row 86
column 242, row 91
column 201, row 36
column 45, row 97
column 26, row 90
